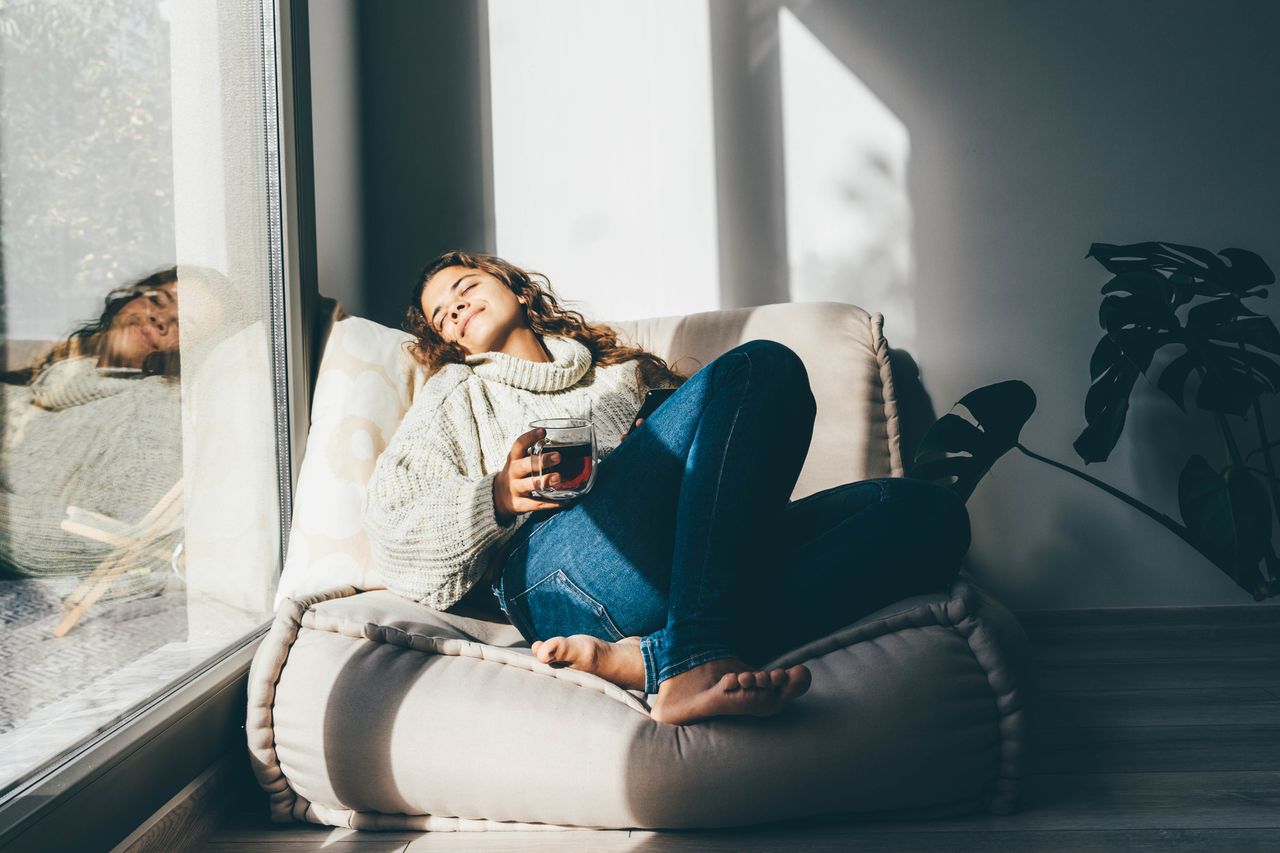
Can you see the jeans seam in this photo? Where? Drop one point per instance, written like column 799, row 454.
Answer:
column 573, row 589
column 595, row 604
column 694, row 660
column 880, row 497
column 650, row 665
column 702, row 572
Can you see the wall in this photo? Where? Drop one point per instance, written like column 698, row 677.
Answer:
column 1037, row 129
column 336, row 151
column 409, row 183
column 1032, row 131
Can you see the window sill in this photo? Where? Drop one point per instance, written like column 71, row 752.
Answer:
column 114, row 782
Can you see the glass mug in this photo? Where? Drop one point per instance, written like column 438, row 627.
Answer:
column 575, row 440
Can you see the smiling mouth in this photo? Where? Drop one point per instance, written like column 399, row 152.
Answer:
column 467, row 322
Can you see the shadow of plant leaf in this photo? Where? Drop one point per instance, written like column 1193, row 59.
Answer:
column 1001, row 410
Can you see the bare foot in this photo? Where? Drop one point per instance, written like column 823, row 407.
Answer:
column 727, row 686
column 620, row 662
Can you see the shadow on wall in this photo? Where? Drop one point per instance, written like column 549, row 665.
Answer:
column 812, row 184
column 811, row 171
column 423, row 119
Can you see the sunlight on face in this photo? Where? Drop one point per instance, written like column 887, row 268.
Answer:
column 146, row 324
column 472, row 308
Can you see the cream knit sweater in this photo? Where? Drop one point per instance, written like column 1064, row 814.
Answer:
column 429, row 511
column 109, row 441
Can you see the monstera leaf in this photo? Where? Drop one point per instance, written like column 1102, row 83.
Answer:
column 1228, row 519
column 1151, row 282
column 1001, row 410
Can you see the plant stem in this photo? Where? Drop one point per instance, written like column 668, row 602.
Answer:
column 1177, row 529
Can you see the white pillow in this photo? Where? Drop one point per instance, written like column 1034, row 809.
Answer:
column 365, row 385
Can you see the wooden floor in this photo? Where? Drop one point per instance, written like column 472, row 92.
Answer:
column 1159, row 730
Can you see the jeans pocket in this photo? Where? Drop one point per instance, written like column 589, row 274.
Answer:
column 557, row 607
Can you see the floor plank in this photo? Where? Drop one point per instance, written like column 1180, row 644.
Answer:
column 368, row 844
column 1159, row 647
column 1092, row 676
column 1068, row 801
column 1232, row 617
column 1183, row 706
column 1156, row 749
column 843, row 841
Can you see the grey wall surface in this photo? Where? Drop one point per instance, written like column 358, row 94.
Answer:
column 1036, row 130
column 336, row 151
column 409, row 78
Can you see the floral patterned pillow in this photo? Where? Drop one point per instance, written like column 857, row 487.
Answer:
column 365, row 385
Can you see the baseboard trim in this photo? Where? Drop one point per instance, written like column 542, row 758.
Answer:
column 188, row 820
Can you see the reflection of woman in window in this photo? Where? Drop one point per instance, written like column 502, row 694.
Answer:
column 94, row 424
column 687, row 565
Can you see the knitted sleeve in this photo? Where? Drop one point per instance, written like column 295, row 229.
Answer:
column 429, row 512
column 33, row 543
column 125, row 453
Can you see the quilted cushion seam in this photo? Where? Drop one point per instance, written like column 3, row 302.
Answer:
column 1002, row 791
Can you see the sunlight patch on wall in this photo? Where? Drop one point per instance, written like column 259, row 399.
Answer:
column 603, row 152
column 848, row 211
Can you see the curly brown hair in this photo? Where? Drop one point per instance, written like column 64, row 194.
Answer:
column 89, row 338
column 543, row 312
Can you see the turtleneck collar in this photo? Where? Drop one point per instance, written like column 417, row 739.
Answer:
column 78, row 380
column 570, row 362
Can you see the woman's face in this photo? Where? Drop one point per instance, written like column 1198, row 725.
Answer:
column 147, row 323
column 472, row 308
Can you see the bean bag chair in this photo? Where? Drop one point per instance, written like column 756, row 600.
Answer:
column 372, row 711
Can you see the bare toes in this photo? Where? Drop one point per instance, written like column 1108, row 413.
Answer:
column 798, row 680
column 729, row 682
column 550, row 649
column 777, row 678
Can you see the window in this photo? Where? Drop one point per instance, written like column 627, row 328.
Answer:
column 144, row 465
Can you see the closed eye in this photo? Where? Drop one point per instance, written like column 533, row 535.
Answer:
column 436, row 313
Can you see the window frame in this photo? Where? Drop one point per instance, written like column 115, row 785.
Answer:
column 114, row 781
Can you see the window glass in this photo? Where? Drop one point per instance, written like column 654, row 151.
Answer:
column 139, row 498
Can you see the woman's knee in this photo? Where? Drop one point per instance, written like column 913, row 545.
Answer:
column 780, row 363
column 940, row 518
column 951, row 516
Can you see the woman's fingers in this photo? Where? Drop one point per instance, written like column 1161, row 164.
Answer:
column 525, row 485
column 520, row 448
column 528, row 466
column 623, row 437
column 523, row 499
column 530, row 505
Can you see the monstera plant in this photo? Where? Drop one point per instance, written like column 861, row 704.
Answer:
column 1226, row 513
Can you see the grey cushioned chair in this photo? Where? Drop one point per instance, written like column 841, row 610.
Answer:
column 371, row 711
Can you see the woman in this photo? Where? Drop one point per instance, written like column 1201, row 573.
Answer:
column 686, row 560
column 96, row 425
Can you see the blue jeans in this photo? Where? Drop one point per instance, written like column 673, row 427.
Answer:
column 689, row 538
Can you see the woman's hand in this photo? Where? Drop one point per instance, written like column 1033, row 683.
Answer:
column 623, row 437
column 515, row 481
